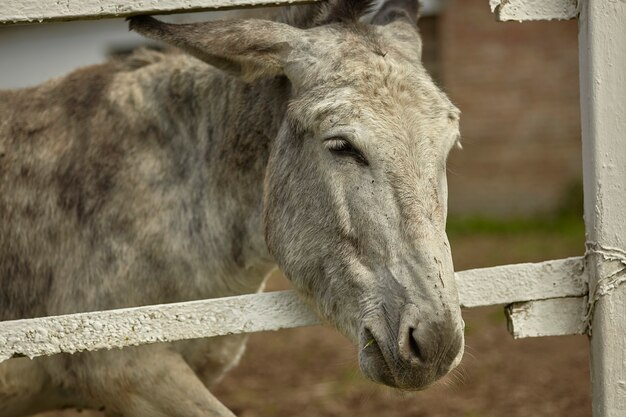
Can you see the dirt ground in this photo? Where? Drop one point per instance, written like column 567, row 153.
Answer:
column 312, row 372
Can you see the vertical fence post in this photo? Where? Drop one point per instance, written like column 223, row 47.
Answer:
column 602, row 43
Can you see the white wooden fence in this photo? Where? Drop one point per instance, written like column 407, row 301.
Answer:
column 568, row 296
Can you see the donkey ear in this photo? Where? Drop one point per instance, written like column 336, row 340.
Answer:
column 392, row 10
column 249, row 49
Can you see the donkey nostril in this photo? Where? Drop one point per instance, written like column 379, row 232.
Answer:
column 413, row 345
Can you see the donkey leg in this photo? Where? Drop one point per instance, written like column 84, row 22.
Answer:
column 150, row 381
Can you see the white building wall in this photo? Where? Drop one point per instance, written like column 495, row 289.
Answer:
column 31, row 54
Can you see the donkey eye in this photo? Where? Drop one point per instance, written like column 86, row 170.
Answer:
column 344, row 148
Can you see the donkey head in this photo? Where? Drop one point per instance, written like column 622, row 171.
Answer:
column 355, row 189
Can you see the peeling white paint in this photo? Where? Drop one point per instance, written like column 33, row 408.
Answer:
column 529, row 281
column 602, row 31
column 259, row 312
column 525, row 10
column 554, row 317
column 37, row 11
column 159, row 323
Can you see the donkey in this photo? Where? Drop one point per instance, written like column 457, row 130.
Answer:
column 316, row 142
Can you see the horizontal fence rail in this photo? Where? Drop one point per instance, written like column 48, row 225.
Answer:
column 522, row 282
column 525, row 10
column 553, row 317
column 37, row 11
column 278, row 310
column 150, row 324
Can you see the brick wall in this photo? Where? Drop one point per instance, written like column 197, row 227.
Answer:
column 517, row 87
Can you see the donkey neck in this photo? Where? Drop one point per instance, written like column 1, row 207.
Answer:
column 216, row 132
column 236, row 123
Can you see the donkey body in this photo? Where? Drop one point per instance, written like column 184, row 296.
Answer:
column 319, row 146
column 126, row 200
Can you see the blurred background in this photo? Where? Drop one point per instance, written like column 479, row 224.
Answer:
column 515, row 196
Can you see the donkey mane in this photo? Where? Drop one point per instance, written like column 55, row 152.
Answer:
column 311, row 15
column 347, row 11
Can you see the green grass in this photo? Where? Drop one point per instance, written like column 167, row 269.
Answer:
column 564, row 225
column 566, row 221
column 480, row 242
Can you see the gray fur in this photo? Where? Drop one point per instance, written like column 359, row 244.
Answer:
column 159, row 178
